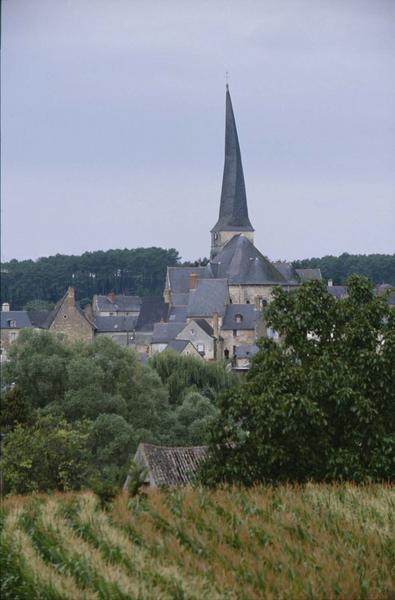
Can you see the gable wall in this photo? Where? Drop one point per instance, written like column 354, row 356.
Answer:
column 71, row 323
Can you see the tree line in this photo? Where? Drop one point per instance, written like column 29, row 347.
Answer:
column 379, row 268
column 142, row 271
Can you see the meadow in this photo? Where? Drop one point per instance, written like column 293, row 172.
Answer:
column 313, row 541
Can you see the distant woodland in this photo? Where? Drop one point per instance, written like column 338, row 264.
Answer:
column 142, row 271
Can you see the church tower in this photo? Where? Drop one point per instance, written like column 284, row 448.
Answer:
column 233, row 213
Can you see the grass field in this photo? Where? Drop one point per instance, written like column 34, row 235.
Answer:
column 317, row 542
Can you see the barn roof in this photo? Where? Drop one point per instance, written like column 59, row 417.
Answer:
column 170, row 466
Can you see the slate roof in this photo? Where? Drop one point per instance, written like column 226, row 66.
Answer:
column 153, row 309
column 205, row 326
column 115, row 324
column 249, row 317
column 122, row 303
column 210, row 296
column 178, row 277
column 241, row 263
column 309, row 274
column 233, row 212
column 177, row 314
column 246, row 350
column 165, row 332
column 339, row 291
column 180, row 299
column 287, row 270
column 39, row 318
column 178, row 345
column 21, row 318
column 170, row 466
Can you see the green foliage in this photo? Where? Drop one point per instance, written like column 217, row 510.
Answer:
column 49, row 455
column 136, row 478
column 139, row 271
column 320, row 405
column 181, row 373
column 104, row 385
column 379, row 268
column 38, row 305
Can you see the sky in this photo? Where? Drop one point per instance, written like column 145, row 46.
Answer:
column 113, row 124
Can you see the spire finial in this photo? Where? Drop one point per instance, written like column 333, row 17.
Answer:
column 227, row 79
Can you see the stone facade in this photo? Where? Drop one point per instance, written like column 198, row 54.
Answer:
column 69, row 320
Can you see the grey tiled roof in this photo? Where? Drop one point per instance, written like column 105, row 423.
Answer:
column 210, row 296
column 205, row 326
column 177, row 314
column 21, row 318
column 309, row 274
column 241, row 263
column 339, row 291
column 178, row 277
column 39, row 318
column 248, row 313
column 122, row 303
column 153, row 309
column 115, row 324
column 165, row 332
column 177, row 345
column 287, row 270
column 171, row 466
column 180, row 299
column 246, row 350
column 233, row 213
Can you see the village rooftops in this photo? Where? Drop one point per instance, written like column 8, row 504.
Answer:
column 165, row 332
column 114, row 324
column 116, row 303
column 210, row 296
column 178, row 278
column 153, row 309
column 309, row 274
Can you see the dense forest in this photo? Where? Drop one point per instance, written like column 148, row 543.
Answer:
column 142, row 271
column 379, row 268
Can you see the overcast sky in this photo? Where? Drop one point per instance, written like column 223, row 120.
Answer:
column 113, row 124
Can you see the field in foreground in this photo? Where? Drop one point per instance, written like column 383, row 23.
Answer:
column 317, row 542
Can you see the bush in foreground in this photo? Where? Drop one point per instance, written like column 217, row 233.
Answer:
column 317, row 541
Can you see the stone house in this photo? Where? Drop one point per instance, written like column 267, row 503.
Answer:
column 70, row 320
column 12, row 322
column 116, row 305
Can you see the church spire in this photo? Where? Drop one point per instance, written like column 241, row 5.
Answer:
column 233, row 212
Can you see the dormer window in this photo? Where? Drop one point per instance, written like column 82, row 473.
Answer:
column 238, row 318
column 12, row 323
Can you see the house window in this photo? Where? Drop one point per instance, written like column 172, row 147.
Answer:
column 13, row 336
column 12, row 323
column 65, row 316
column 234, row 332
column 247, row 301
column 226, row 352
column 239, row 318
column 200, row 348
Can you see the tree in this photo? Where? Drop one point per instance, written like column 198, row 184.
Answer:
column 319, row 405
column 49, row 455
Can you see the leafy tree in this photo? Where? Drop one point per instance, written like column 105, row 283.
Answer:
column 15, row 409
column 192, row 420
column 38, row 305
column 320, row 405
column 49, row 455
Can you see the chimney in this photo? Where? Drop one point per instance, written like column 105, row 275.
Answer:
column 216, row 324
column 111, row 297
column 330, row 282
column 71, row 295
column 5, row 307
column 88, row 312
column 193, row 279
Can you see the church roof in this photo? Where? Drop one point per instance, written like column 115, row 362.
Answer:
column 233, row 213
column 241, row 263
